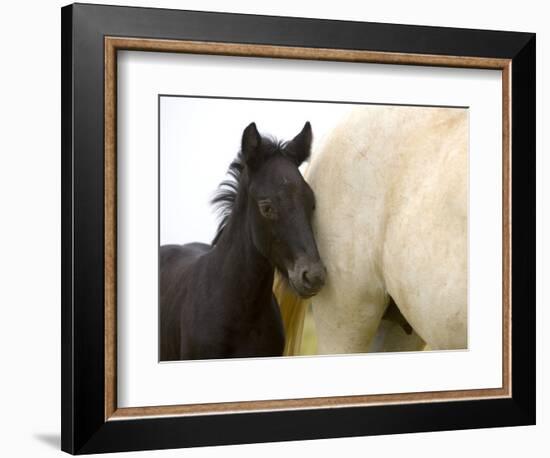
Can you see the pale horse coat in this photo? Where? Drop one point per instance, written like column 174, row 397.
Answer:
column 391, row 220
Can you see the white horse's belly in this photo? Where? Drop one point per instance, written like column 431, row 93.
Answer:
column 428, row 281
column 390, row 184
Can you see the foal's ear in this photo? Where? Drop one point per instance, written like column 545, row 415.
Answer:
column 299, row 148
column 250, row 145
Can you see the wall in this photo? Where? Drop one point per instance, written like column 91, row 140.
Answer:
column 30, row 230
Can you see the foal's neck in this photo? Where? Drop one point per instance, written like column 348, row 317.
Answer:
column 246, row 273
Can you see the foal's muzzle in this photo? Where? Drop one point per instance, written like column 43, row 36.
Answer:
column 307, row 278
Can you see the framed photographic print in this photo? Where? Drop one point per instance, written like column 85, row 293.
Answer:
column 285, row 228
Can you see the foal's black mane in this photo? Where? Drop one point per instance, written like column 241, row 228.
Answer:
column 226, row 194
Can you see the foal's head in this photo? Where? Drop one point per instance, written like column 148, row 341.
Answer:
column 269, row 193
column 280, row 206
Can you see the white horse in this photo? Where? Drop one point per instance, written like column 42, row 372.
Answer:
column 390, row 222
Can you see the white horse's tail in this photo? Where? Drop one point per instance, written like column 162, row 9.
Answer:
column 293, row 311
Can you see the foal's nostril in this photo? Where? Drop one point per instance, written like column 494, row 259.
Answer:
column 314, row 278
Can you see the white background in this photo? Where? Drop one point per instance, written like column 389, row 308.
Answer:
column 30, row 231
column 142, row 76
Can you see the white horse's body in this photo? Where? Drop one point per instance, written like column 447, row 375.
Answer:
column 391, row 220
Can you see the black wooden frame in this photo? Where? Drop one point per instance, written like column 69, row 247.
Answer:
column 84, row 429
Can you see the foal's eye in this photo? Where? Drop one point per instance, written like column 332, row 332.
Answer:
column 267, row 210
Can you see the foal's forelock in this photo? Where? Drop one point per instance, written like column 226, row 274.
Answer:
column 225, row 197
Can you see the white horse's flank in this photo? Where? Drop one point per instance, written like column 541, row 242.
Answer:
column 391, row 220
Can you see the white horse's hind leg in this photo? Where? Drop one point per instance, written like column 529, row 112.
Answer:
column 391, row 337
column 395, row 333
column 346, row 327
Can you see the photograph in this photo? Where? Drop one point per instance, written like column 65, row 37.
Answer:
column 271, row 220
column 303, row 228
